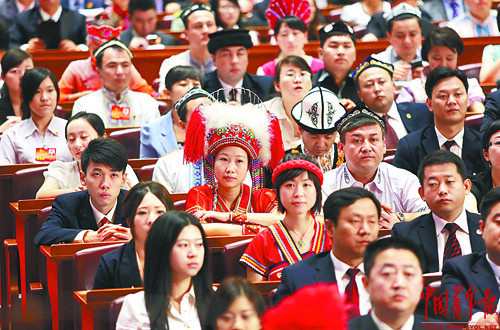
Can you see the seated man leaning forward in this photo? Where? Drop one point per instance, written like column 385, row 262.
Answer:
column 362, row 144
column 95, row 214
column 114, row 102
column 351, row 221
column 393, row 278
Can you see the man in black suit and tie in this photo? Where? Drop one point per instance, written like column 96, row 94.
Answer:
column 95, row 214
column 229, row 49
column 477, row 272
column 393, row 278
column 447, row 98
column 448, row 231
column 351, row 220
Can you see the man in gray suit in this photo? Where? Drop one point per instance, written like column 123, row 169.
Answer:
column 9, row 8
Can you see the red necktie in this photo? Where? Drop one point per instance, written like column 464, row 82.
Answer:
column 352, row 295
column 104, row 221
column 452, row 248
column 391, row 138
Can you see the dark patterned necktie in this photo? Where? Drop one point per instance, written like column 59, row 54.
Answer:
column 454, row 7
column 452, row 248
column 233, row 95
column 448, row 144
column 391, row 138
column 352, row 295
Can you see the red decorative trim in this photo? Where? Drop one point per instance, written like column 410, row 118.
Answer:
column 298, row 163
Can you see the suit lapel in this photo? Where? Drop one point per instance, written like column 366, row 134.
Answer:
column 66, row 24
column 247, row 83
column 476, row 240
column 429, row 140
column 485, row 278
column 324, row 270
column 119, row 217
column 129, row 267
column 86, row 218
column 469, row 155
column 407, row 121
column 427, row 234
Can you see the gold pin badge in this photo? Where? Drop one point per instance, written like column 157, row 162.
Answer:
column 408, row 116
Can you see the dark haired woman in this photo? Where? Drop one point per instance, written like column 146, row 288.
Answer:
column 235, row 305
column 124, row 267
column 228, row 16
column 177, row 285
column 39, row 137
column 299, row 235
column 291, row 36
column 15, row 62
column 64, row 177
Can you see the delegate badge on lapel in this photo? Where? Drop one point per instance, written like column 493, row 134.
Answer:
column 45, row 154
column 120, row 113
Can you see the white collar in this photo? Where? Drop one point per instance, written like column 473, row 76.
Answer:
column 393, row 112
column 239, row 84
column 21, row 8
column 495, row 268
column 458, row 139
column 460, row 221
column 99, row 216
column 377, row 179
column 383, row 326
column 342, row 268
column 46, row 16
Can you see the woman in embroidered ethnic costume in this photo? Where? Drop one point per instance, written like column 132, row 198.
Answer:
column 299, row 235
column 237, row 138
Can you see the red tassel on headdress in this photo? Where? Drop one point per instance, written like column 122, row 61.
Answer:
column 277, row 149
column 194, row 145
column 279, row 8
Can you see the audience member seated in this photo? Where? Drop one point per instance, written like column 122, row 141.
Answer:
column 15, row 63
column 142, row 33
column 393, row 267
column 338, row 52
column 445, row 10
column 362, row 143
column 177, row 285
column 229, row 49
column 234, row 142
column 291, row 36
column 115, row 103
column 441, row 47
column 118, row 11
column 95, row 214
column 484, row 182
column 228, row 16
column 490, row 65
column 81, row 77
column 446, row 90
column 351, row 221
column 316, row 115
column 449, row 230
column 168, row 132
column 10, row 8
column 64, row 177
column 124, row 267
column 235, row 305
column 85, row 7
column 298, row 235
column 377, row 27
column 492, row 109
column 476, row 274
column 292, row 80
column 48, row 26
column 199, row 21
column 360, row 13
column 405, row 35
column 38, row 138
column 477, row 22
column 377, row 91
column 170, row 170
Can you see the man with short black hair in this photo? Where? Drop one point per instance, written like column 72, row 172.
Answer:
column 449, row 230
column 94, row 214
column 447, row 98
column 393, row 278
column 351, row 221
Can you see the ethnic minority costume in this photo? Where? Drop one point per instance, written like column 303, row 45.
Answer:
column 274, row 249
column 332, row 159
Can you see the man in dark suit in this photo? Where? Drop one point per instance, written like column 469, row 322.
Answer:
column 446, row 90
column 492, row 109
column 376, row 90
column 444, row 184
column 351, row 220
column 477, row 272
column 9, row 8
column 442, row 10
column 141, row 33
column 393, row 278
column 95, row 214
column 229, row 51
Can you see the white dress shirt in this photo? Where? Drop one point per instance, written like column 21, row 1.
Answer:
column 228, row 88
column 442, row 235
column 383, row 326
column 343, row 280
column 395, row 121
column 98, row 216
column 46, row 16
column 496, row 270
column 290, row 134
column 457, row 147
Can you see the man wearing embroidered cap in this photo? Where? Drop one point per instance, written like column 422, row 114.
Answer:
column 376, row 89
column 338, row 52
column 316, row 115
column 114, row 102
column 405, row 35
column 229, row 49
column 362, row 143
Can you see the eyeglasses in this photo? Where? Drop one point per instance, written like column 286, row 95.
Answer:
column 292, row 75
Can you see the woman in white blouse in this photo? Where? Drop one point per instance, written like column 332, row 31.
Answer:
column 39, row 137
column 177, row 285
column 64, row 177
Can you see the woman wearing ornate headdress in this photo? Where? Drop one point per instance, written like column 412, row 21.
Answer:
column 232, row 140
column 289, row 20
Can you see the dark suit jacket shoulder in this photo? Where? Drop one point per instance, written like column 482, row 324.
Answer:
column 167, row 40
column 315, row 269
column 71, row 213
column 118, row 269
column 414, row 115
column 365, row 322
column 422, row 232
column 492, row 109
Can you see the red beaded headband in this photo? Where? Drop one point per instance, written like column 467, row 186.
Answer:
column 298, row 163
